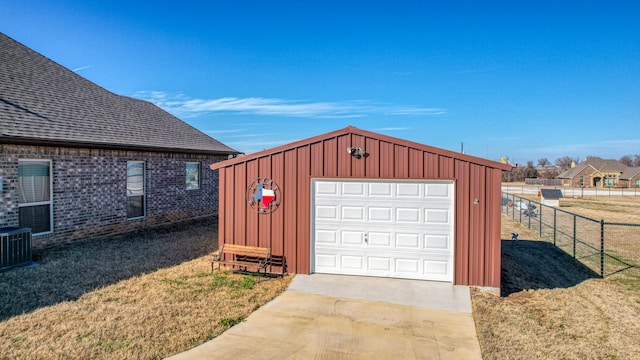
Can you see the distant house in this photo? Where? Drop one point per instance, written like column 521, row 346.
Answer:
column 78, row 161
column 630, row 178
column 599, row 173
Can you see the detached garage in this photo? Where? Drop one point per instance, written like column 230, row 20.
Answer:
column 360, row 203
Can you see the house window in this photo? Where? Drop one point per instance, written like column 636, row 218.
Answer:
column 582, row 181
column 638, row 183
column 35, row 208
column 135, row 189
column 610, row 180
column 193, row 176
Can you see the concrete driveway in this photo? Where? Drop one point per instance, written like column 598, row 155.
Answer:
column 335, row 317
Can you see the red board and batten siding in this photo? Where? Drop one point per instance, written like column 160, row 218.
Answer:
column 287, row 229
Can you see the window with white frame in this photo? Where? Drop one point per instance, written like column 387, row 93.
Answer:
column 610, row 180
column 638, row 183
column 135, row 189
column 193, row 176
column 35, row 206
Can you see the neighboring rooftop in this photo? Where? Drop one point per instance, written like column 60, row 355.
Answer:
column 44, row 102
column 598, row 164
column 551, row 194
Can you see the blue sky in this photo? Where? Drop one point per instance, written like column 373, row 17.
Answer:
column 523, row 79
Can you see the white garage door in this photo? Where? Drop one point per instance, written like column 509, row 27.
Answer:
column 400, row 229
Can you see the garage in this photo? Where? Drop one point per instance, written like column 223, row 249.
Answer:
column 357, row 202
column 399, row 229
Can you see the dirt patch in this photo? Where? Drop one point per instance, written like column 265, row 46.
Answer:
column 146, row 296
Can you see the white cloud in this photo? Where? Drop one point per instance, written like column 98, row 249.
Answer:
column 185, row 107
column 218, row 132
column 82, row 68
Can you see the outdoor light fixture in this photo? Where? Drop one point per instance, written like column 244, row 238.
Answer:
column 355, row 152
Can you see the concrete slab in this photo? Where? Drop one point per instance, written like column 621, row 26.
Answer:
column 335, row 316
column 424, row 294
column 298, row 325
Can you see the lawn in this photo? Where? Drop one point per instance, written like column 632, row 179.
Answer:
column 146, row 295
column 555, row 308
column 151, row 294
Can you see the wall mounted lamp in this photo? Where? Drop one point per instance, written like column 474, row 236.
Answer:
column 356, row 152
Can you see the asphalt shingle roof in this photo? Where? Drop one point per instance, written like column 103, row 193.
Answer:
column 44, row 102
column 599, row 164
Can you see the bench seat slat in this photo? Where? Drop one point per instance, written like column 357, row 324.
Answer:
column 259, row 256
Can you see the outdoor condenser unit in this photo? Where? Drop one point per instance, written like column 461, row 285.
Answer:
column 15, row 247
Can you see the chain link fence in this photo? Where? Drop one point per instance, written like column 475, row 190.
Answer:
column 604, row 247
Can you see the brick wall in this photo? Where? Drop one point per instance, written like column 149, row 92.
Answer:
column 89, row 190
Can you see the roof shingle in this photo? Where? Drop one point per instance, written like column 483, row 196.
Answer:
column 44, row 102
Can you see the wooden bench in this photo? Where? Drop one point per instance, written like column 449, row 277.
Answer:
column 243, row 257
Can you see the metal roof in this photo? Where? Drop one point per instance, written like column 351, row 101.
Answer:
column 351, row 130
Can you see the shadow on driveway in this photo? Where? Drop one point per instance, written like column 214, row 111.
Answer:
column 67, row 273
column 528, row 264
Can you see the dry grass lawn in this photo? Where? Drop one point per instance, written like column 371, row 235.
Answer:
column 143, row 296
column 151, row 294
column 555, row 308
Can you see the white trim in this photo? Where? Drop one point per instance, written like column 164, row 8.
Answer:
column 50, row 202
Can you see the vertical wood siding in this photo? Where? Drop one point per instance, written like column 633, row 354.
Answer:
column 287, row 229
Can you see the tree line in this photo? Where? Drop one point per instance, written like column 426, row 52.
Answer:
column 545, row 170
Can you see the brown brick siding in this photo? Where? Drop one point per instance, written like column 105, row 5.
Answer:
column 588, row 181
column 89, row 190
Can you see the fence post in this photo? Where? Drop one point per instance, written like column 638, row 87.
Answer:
column 602, row 248
column 540, row 219
column 529, row 212
column 555, row 232
column 574, row 235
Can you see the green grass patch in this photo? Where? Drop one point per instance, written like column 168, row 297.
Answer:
column 229, row 322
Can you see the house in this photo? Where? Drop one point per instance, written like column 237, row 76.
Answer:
column 78, row 161
column 597, row 172
column 630, row 178
column 360, row 203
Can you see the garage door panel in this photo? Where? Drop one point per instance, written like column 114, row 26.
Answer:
column 327, row 212
column 383, row 190
column 326, row 188
column 377, row 264
column 352, row 238
column 408, row 241
column 352, row 262
column 326, row 237
column 329, row 261
column 436, row 216
column 384, row 228
column 379, row 239
column 352, row 213
column 437, row 190
column 353, row 189
column 380, row 214
column 408, row 215
column 408, row 190
column 407, row 266
column 436, row 242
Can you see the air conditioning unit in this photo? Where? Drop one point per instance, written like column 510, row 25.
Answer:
column 15, row 247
